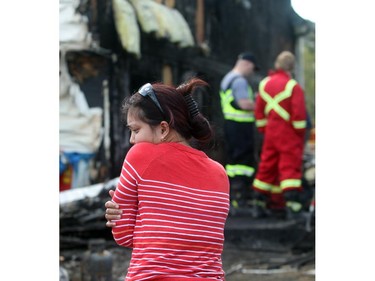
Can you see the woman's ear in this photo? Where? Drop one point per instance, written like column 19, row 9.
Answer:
column 164, row 129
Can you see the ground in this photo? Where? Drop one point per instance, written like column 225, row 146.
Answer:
column 240, row 262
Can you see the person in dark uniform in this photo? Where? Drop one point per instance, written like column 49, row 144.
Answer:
column 238, row 104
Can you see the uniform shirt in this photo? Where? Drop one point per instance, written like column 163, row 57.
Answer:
column 239, row 85
column 175, row 203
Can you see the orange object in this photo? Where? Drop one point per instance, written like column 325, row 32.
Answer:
column 66, row 178
column 312, row 135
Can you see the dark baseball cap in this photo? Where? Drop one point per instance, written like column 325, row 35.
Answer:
column 249, row 57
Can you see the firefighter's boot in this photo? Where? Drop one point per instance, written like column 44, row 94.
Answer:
column 259, row 207
column 293, row 205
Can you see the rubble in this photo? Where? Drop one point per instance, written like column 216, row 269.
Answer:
column 82, row 214
column 254, row 249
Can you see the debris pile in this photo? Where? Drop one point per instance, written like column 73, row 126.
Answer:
column 82, row 213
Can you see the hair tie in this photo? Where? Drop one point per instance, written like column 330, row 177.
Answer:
column 192, row 105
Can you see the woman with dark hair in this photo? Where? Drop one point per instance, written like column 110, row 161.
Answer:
column 171, row 202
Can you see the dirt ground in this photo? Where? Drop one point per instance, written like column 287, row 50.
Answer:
column 239, row 264
column 257, row 265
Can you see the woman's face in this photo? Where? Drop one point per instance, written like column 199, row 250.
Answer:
column 141, row 131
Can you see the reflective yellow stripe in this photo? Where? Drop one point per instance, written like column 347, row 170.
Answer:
column 261, row 122
column 234, row 203
column 239, row 117
column 231, row 113
column 290, row 183
column 266, row 186
column 259, row 203
column 299, row 124
column 294, row 206
column 239, row 170
column 276, row 189
column 273, row 103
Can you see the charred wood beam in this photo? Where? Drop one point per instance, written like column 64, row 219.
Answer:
column 208, row 65
column 190, row 58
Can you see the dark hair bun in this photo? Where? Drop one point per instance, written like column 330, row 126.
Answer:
column 200, row 127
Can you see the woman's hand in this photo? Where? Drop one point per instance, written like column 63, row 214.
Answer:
column 112, row 211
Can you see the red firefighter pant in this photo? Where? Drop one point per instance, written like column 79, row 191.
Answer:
column 280, row 168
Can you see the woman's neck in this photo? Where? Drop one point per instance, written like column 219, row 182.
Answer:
column 176, row 137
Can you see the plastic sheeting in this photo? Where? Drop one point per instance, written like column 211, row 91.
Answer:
column 145, row 14
column 182, row 30
column 164, row 21
column 74, row 32
column 91, row 191
column 80, row 126
column 127, row 26
column 153, row 17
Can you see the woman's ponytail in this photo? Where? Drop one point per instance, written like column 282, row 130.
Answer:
column 200, row 127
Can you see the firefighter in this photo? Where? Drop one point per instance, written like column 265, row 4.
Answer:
column 237, row 103
column 280, row 114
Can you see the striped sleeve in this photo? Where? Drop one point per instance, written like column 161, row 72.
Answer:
column 126, row 196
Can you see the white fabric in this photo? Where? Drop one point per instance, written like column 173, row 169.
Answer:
column 81, row 134
column 73, row 26
column 172, row 25
column 164, row 21
column 145, row 15
column 127, row 26
column 181, row 27
column 80, row 126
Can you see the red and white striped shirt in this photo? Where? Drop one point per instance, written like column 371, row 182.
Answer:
column 175, row 202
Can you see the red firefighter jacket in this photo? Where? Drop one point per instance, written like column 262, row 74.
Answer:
column 280, row 107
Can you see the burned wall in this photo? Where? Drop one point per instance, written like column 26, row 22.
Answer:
column 221, row 29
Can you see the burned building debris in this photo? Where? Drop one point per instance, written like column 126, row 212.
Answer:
column 203, row 41
column 108, row 49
